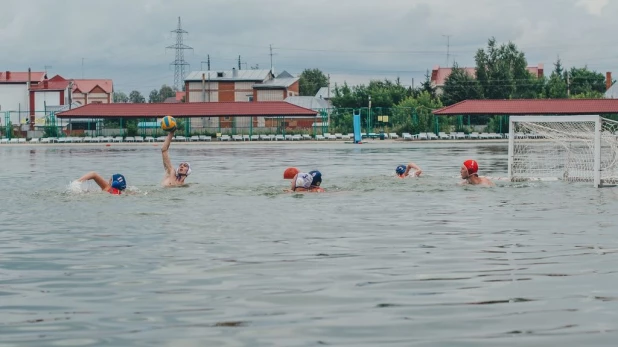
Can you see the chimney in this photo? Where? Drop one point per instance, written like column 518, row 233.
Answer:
column 234, row 72
column 45, row 85
column 608, row 80
column 8, row 75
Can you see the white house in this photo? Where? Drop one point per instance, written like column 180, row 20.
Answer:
column 14, row 95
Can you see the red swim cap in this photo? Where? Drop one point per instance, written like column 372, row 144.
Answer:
column 472, row 166
column 290, row 172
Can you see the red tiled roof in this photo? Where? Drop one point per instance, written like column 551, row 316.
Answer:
column 52, row 84
column 85, row 86
column 531, row 107
column 439, row 74
column 193, row 109
column 20, row 77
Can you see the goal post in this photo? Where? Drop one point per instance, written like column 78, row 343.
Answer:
column 570, row 148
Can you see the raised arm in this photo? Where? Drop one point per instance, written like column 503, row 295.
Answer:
column 97, row 178
column 415, row 167
column 167, row 163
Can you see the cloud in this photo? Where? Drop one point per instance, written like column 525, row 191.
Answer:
column 353, row 40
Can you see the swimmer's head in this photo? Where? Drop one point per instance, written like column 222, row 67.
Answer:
column 118, row 181
column 469, row 167
column 290, row 172
column 317, row 178
column 400, row 170
column 184, row 169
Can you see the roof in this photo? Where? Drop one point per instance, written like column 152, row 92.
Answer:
column 86, row 85
column 20, row 77
column 61, row 108
column 192, row 109
column 310, row 102
column 531, row 107
column 439, row 74
column 56, row 83
column 171, row 99
column 324, row 93
column 276, row 83
column 285, row 74
column 228, row 75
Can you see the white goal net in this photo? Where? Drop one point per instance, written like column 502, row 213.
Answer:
column 569, row 148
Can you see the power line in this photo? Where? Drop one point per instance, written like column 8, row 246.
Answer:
column 179, row 63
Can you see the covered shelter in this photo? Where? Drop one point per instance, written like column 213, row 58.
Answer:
column 528, row 107
column 195, row 118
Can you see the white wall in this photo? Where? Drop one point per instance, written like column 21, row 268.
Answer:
column 41, row 99
column 195, row 91
column 12, row 95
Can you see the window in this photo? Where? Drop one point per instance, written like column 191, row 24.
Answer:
column 219, row 74
column 226, row 118
column 251, row 98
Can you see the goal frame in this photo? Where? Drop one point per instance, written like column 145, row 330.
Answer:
column 547, row 119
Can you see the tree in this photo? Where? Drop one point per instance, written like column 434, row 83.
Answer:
column 459, row 86
column 120, row 97
column 166, row 92
column 502, row 74
column 413, row 115
column 556, row 87
column 426, row 86
column 154, row 96
column 311, row 80
column 584, row 81
column 136, row 97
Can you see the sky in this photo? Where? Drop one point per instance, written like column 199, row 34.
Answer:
column 353, row 41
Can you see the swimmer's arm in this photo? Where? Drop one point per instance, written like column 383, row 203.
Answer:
column 293, row 187
column 167, row 163
column 415, row 167
column 97, row 178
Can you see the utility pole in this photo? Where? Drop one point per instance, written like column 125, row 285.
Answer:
column 46, row 68
column 328, row 101
column 448, row 46
column 239, row 67
column 207, row 61
column 271, row 60
column 179, row 63
column 82, row 68
column 568, row 85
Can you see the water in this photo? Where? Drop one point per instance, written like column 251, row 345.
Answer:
column 231, row 260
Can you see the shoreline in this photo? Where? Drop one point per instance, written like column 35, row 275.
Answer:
column 245, row 143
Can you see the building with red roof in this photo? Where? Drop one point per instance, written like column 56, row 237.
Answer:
column 14, row 95
column 98, row 91
column 440, row 74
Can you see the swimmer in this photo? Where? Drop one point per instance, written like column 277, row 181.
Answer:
column 403, row 171
column 469, row 172
column 304, row 182
column 116, row 184
column 173, row 177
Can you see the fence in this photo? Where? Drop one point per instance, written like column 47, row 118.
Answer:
column 332, row 120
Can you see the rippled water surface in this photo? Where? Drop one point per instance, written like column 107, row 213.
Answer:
column 232, row 260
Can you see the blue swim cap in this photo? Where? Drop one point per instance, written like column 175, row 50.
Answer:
column 317, row 177
column 401, row 169
column 119, row 182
